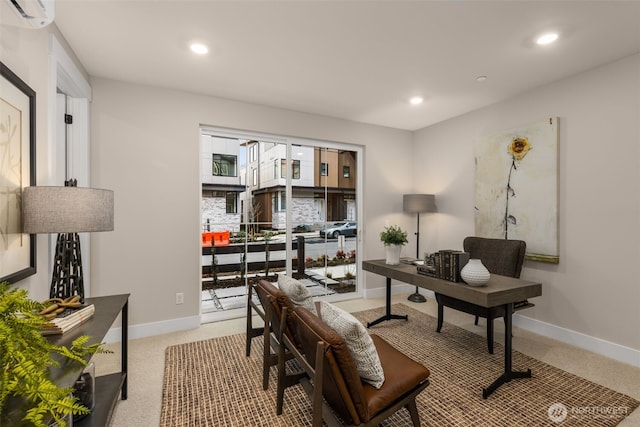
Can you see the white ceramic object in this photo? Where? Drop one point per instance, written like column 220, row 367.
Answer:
column 393, row 254
column 474, row 273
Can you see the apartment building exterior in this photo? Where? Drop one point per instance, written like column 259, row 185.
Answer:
column 220, row 161
column 323, row 184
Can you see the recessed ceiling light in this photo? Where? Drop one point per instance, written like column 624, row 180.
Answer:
column 416, row 100
column 480, row 79
column 199, row 48
column 547, row 38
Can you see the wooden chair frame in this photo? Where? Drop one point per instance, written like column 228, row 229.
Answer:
column 270, row 338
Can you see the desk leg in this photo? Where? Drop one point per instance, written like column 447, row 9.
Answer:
column 124, row 346
column 388, row 315
column 509, row 374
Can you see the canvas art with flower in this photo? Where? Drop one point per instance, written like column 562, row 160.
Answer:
column 516, row 187
column 518, row 148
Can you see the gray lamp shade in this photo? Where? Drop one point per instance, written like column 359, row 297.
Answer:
column 66, row 210
column 419, row 203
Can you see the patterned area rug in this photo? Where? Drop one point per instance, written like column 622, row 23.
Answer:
column 212, row 383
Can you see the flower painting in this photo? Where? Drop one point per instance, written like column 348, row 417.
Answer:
column 516, row 187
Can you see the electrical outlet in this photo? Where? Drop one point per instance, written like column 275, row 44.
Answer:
column 179, row 298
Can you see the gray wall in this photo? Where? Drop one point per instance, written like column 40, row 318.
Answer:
column 145, row 146
column 594, row 289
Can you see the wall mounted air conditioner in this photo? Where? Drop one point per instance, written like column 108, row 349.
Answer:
column 34, row 13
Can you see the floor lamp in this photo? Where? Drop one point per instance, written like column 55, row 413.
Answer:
column 418, row 203
column 67, row 210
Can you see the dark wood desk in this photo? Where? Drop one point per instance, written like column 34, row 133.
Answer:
column 500, row 291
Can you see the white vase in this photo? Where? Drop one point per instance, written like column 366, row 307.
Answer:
column 393, row 254
column 474, row 273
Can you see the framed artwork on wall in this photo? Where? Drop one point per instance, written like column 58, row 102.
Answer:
column 516, row 187
column 17, row 170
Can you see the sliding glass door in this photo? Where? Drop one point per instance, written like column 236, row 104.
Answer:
column 273, row 205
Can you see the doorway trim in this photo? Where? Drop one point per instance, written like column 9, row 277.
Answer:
column 66, row 78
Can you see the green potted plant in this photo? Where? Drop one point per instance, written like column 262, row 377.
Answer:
column 394, row 238
column 25, row 359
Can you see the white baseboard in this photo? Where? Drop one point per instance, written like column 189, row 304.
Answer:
column 154, row 328
column 586, row 342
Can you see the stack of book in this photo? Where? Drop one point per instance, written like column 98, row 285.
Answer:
column 445, row 264
column 451, row 262
column 68, row 319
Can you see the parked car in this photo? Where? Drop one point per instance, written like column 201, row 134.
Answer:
column 344, row 228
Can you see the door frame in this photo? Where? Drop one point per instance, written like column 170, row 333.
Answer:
column 290, row 142
column 68, row 146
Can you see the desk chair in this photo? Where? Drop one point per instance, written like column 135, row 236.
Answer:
column 500, row 256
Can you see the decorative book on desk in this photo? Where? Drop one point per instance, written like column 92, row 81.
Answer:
column 445, row 264
column 68, row 320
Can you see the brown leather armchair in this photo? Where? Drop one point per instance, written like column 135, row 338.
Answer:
column 327, row 361
column 500, row 256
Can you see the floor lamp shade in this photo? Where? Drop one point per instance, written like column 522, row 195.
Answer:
column 67, row 211
column 419, row 203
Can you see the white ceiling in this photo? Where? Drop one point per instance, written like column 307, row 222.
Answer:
column 357, row 60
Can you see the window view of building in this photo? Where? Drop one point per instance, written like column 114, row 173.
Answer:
column 295, row 167
column 224, row 165
column 319, row 193
column 221, row 184
column 245, row 202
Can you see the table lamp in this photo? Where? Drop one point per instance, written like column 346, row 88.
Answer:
column 418, row 203
column 67, row 210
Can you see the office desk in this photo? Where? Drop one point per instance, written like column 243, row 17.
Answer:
column 500, row 291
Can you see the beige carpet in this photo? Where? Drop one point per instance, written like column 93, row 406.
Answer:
column 212, row 383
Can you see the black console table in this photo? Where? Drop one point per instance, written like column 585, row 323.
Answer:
column 107, row 387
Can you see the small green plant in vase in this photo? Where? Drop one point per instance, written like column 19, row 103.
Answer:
column 25, row 358
column 393, row 235
column 393, row 238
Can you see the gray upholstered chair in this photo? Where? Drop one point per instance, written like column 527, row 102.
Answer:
column 500, row 256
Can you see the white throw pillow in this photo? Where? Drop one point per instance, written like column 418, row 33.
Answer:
column 297, row 292
column 360, row 344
